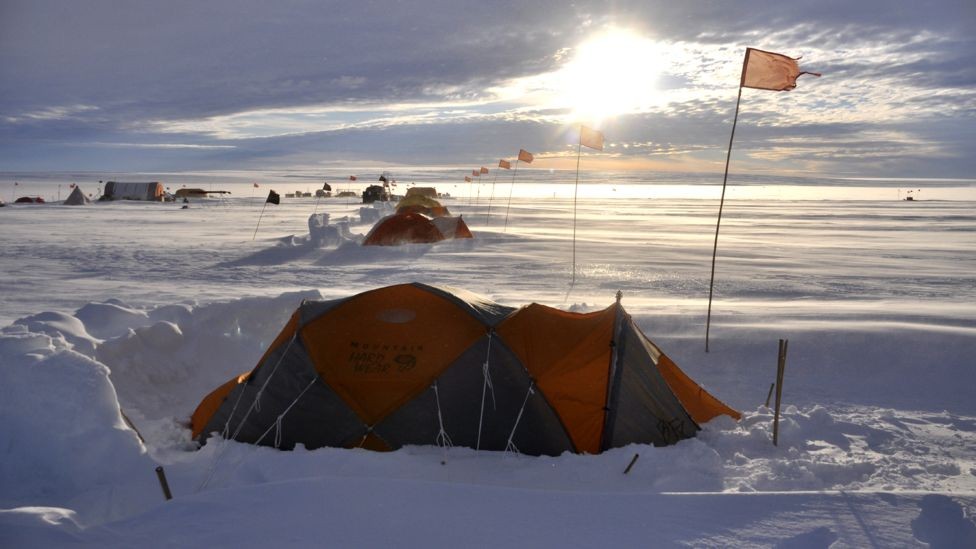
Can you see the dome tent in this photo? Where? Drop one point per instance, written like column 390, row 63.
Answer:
column 405, row 365
column 413, row 228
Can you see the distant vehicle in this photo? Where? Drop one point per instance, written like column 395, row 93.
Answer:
column 375, row 193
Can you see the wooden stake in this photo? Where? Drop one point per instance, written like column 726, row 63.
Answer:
column 632, row 462
column 780, row 367
column 161, row 475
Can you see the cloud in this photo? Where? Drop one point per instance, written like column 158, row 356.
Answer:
column 224, row 83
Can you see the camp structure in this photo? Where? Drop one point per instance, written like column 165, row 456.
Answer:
column 29, row 200
column 414, row 228
column 196, row 193
column 116, row 190
column 414, row 364
column 76, row 198
column 419, row 203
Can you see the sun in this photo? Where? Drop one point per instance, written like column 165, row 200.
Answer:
column 612, row 73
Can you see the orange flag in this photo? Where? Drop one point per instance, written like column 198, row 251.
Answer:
column 591, row 138
column 505, row 164
column 484, row 169
column 525, row 156
column 764, row 70
column 475, row 173
column 467, row 179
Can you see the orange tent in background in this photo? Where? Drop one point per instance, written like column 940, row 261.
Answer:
column 403, row 228
column 419, row 203
column 414, row 364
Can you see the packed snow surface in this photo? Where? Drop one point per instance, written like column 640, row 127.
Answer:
column 118, row 318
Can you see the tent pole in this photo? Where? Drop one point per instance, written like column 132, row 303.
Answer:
column 725, row 178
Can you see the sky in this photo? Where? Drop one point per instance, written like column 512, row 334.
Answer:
column 184, row 86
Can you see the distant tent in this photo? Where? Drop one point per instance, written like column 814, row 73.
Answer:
column 430, row 192
column 76, row 198
column 115, row 190
column 419, row 203
column 452, row 227
column 414, row 364
column 403, row 228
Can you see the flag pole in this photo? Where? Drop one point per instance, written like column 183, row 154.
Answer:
column 579, row 149
column 259, row 221
column 510, row 189
column 492, row 196
column 721, row 203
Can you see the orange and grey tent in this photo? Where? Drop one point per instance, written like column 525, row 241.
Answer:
column 414, row 364
column 403, row 228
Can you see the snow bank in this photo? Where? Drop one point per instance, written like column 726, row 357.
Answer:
column 65, row 443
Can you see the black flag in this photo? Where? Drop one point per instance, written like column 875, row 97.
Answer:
column 273, row 198
column 326, row 187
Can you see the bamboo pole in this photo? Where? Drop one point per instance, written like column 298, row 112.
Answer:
column 259, row 221
column 511, row 188
column 780, row 368
column 579, row 149
column 491, row 196
column 718, row 223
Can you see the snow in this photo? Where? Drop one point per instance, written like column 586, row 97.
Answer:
column 129, row 313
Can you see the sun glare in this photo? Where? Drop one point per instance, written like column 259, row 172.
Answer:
column 610, row 74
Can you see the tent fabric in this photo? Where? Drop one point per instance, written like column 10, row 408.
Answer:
column 403, row 228
column 387, row 368
column 76, row 198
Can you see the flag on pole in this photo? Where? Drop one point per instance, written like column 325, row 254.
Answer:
column 475, row 173
column 591, row 138
column 764, row 70
column 761, row 70
column 484, row 169
column 467, row 179
column 256, row 185
column 352, row 178
column 525, row 156
column 505, row 164
column 273, row 198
